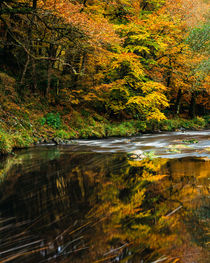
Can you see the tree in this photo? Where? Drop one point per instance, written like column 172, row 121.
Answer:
column 198, row 41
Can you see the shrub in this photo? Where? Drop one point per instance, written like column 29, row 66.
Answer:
column 53, row 120
column 141, row 126
column 42, row 121
column 207, row 120
column 62, row 134
column 170, row 125
column 187, row 124
column 200, row 121
column 85, row 132
column 85, row 113
column 73, row 134
column 5, row 143
column 122, row 129
column 174, row 124
column 18, row 141
column 22, row 139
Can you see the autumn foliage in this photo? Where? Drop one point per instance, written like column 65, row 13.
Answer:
column 125, row 59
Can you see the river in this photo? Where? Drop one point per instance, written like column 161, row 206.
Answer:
column 142, row 199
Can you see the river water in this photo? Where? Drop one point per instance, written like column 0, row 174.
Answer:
column 141, row 199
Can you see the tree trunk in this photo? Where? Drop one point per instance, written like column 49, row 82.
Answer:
column 192, row 105
column 25, row 69
column 49, row 73
column 34, row 76
column 178, row 102
column 34, row 4
column 169, row 74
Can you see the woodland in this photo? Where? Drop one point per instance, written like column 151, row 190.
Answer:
column 97, row 68
column 80, row 69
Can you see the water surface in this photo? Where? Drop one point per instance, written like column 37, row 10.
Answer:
column 194, row 143
column 92, row 202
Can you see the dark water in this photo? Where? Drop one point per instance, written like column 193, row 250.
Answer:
column 91, row 202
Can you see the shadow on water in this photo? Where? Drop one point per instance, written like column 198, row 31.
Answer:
column 63, row 206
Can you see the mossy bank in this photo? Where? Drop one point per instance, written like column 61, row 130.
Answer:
column 32, row 119
column 52, row 127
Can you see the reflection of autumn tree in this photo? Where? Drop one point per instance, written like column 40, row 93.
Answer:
column 188, row 187
column 56, row 195
column 151, row 211
column 104, row 206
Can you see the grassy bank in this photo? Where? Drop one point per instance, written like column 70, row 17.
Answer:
column 53, row 127
column 27, row 120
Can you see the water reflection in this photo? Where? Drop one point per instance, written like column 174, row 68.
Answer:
column 60, row 206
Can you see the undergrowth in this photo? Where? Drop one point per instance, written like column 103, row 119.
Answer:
column 32, row 120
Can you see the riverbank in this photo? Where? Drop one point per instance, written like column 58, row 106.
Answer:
column 21, row 131
column 27, row 119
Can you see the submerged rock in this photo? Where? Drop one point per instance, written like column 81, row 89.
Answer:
column 137, row 154
column 190, row 141
column 60, row 141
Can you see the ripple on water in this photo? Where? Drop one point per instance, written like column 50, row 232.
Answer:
column 159, row 143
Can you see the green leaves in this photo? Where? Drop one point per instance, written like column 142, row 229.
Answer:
column 198, row 39
column 51, row 119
